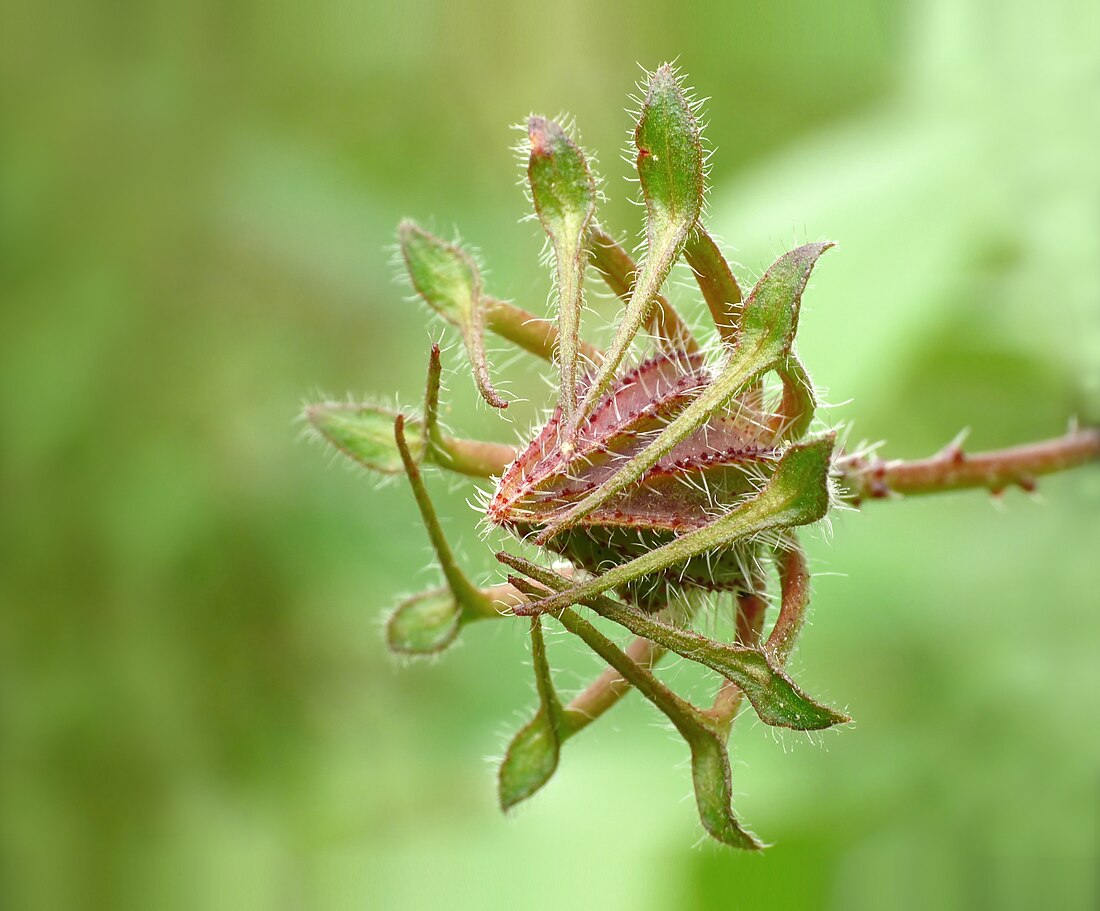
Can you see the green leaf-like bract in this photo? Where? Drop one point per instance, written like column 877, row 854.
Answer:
column 532, row 756
column 448, row 280
column 710, row 776
column 364, row 433
column 564, row 194
column 710, row 768
column 670, row 168
column 424, row 624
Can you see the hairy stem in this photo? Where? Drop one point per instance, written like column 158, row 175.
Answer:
column 618, row 270
column 952, row 469
column 610, row 686
column 531, row 333
column 716, row 282
column 466, row 593
column 473, row 458
column 751, row 607
column 794, row 580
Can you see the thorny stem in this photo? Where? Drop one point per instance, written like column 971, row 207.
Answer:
column 952, row 469
column 869, row 479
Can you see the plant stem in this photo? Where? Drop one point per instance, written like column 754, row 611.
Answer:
column 532, row 333
column 750, row 620
column 610, row 686
column 681, row 713
column 473, row 458
column 794, row 581
column 952, row 469
column 465, row 592
column 618, row 270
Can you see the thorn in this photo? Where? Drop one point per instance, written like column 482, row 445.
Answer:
column 879, row 490
column 953, row 451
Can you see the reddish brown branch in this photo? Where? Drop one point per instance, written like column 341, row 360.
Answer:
column 952, row 469
column 794, row 579
column 751, row 607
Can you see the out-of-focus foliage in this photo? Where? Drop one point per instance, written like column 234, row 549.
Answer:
column 197, row 710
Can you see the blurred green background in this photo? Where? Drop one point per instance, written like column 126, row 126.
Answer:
column 197, row 201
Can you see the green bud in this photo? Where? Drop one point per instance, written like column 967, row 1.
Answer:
column 424, row 624
column 448, row 280
column 769, row 319
column 564, row 194
column 532, row 756
column 364, row 433
column 670, row 168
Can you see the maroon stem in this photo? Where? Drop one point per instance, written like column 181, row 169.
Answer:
column 750, row 620
column 794, row 580
column 952, row 469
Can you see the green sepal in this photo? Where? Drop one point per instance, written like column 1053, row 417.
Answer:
column 364, row 433
column 769, row 319
column 424, row 624
column 670, row 161
column 777, row 700
column 797, row 493
column 564, row 194
column 710, row 769
column 562, row 186
column 532, row 756
column 671, row 171
column 448, row 280
column 710, row 776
